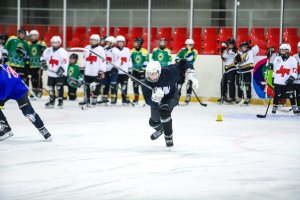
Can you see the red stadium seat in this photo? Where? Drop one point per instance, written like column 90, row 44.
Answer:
column 122, row 31
column 111, row 31
column 80, row 30
column 197, row 36
column 258, row 33
column 210, row 31
column 94, row 30
column 53, row 30
column 209, row 49
column 136, row 32
column 2, row 28
column 180, row 32
column 274, row 42
column 153, row 33
column 76, row 42
column 272, row 32
column 11, row 29
column 225, row 34
column 27, row 27
column 41, row 29
column 69, row 32
column 165, row 32
column 290, row 31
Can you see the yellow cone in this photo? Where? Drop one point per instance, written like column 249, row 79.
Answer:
column 219, row 118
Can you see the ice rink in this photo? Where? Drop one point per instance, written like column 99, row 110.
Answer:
column 106, row 153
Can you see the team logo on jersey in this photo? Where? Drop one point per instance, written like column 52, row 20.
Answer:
column 262, row 79
column 71, row 71
column 160, row 56
column 138, row 59
column 34, row 51
column 20, row 44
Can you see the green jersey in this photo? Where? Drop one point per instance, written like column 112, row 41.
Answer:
column 73, row 75
column 163, row 56
column 139, row 59
column 35, row 53
column 15, row 58
column 189, row 55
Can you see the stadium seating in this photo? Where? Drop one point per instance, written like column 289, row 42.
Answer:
column 136, row 32
column 104, row 32
column 258, row 33
column 122, row 31
column 27, row 27
column 11, row 29
column 165, row 32
column 93, row 30
column 197, row 36
column 41, row 29
column 225, row 34
column 2, row 28
column 76, row 42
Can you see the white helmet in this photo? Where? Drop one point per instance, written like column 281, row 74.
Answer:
column 189, row 41
column 298, row 45
column 152, row 68
column 285, row 46
column 110, row 39
column 56, row 39
column 120, row 38
column 95, row 37
column 34, row 32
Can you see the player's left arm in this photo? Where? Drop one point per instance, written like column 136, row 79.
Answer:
column 169, row 56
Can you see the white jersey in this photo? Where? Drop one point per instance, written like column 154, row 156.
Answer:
column 248, row 59
column 297, row 57
column 109, row 57
column 228, row 57
column 284, row 69
column 92, row 64
column 55, row 59
column 122, row 59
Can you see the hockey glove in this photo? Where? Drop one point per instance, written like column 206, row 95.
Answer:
column 43, row 64
column 190, row 76
column 157, row 95
column 290, row 80
column 21, row 51
column 60, row 72
column 4, row 58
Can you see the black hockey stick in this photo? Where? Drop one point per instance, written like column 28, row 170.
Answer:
column 142, row 83
column 202, row 104
column 265, row 115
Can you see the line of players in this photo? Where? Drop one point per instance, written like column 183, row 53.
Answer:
column 283, row 70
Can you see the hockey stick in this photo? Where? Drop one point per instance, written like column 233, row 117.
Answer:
column 202, row 104
column 265, row 115
column 142, row 83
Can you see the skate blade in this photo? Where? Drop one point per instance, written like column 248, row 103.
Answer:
column 6, row 136
column 49, row 139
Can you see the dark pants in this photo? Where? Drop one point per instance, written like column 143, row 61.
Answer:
column 36, row 78
column 72, row 93
column 228, row 82
column 244, row 79
column 297, row 90
column 123, row 81
column 283, row 92
column 88, row 80
column 110, row 82
column 27, row 110
column 140, row 76
column 161, row 115
column 57, row 83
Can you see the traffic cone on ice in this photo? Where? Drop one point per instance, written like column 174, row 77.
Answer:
column 219, row 118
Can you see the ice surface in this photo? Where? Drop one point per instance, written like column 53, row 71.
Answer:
column 106, row 153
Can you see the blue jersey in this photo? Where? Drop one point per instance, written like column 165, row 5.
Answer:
column 11, row 85
column 168, row 79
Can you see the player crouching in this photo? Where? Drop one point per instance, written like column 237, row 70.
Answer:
column 285, row 72
column 164, row 96
column 12, row 87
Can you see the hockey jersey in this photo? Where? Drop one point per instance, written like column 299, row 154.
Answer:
column 139, row 59
column 11, row 85
column 228, row 57
column 35, row 52
column 109, row 57
column 163, row 56
column 93, row 64
column 297, row 57
column 248, row 59
column 56, row 59
column 122, row 59
column 189, row 55
column 283, row 69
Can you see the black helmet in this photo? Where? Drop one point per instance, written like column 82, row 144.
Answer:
column 22, row 30
column 230, row 41
column 139, row 40
column 74, row 56
column 244, row 44
column 102, row 38
column 3, row 37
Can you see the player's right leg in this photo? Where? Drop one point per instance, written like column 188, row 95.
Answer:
column 155, row 123
column 5, row 130
column 87, row 91
column 135, row 87
column 51, row 86
column 278, row 94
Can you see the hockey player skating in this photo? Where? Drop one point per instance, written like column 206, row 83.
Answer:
column 122, row 59
column 228, row 80
column 140, row 59
column 16, row 51
column 36, row 49
column 94, row 69
column 164, row 96
column 190, row 54
column 12, row 87
column 297, row 81
column 245, row 62
column 74, row 77
column 284, row 74
column 162, row 54
column 55, row 61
